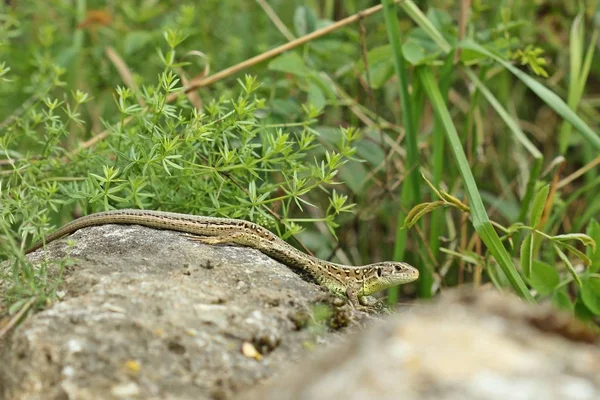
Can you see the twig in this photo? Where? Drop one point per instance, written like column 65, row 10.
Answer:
column 281, row 49
column 13, row 321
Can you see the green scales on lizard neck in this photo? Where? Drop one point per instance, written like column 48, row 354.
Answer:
column 352, row 281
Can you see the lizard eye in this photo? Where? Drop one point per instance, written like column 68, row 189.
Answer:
column 379, row 272
column 398, row 267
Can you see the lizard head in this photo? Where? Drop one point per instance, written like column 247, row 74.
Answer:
column 386, row 274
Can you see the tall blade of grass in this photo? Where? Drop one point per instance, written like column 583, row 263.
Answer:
column 545, row 94
column 411, row 186
column 439, row 156
column 578, row 73
column 592, row 188
column 424, row 23
column 575, row 61
column 480, row 218
column 538, row 162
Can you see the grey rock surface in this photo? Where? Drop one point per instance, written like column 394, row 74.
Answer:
column 150, row 314
column 466, row 346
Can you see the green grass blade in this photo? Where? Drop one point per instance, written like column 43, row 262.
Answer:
column 579, row 68
column 545, row 94
column 411, row 187
column 438, row 146
column 424, row 23
column 514, row 127
column 479, row 215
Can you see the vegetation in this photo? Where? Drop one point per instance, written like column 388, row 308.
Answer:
column 463, row 141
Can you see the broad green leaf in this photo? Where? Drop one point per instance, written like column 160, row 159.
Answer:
column 527, row 255
column 291, row 63
column 544, row 277
column 136, row 40
column 370, row 152
column 537, row 207
column 324, row 85
column 380, row 54
column 381, row 66
column 379, row 74
column 305, row 20
column 316, row 97
column 417, row 54
column 562, row 300
column 590, row 294
column 582, row 312
column 354, row 175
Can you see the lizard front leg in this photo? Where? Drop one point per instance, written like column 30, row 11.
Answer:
column 352, row 293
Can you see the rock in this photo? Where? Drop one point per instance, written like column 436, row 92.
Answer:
column 468, row 345
column 150, row 314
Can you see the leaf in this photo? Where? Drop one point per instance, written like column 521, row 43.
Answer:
column 417, row 54
column 425, row 24
column 380, row 54
column 544, row 277
column 370, row 152
column 513, row 228
column 326, row 86
column 316, row 97
column 454, row 201
column 305, row 20
column 527, row 255
column 466, row 256
column 381, row 67
column 583, row 238
column 579, row 254
column 593, row 231
column 419, row 210
column 136, row 40
column 568, row 264
column 354, row 175
column 481, row 221
column 561, row 300
column 590, row 294
column 545, row 94
column 291, row 63
column 433, row 188
column 537, row 207
column 380, row 73
column 582, row 312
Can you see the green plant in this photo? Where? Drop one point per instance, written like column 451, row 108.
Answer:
column 224, row 161
column 461, row 101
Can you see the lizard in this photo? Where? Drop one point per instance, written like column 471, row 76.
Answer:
column 354, row 282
